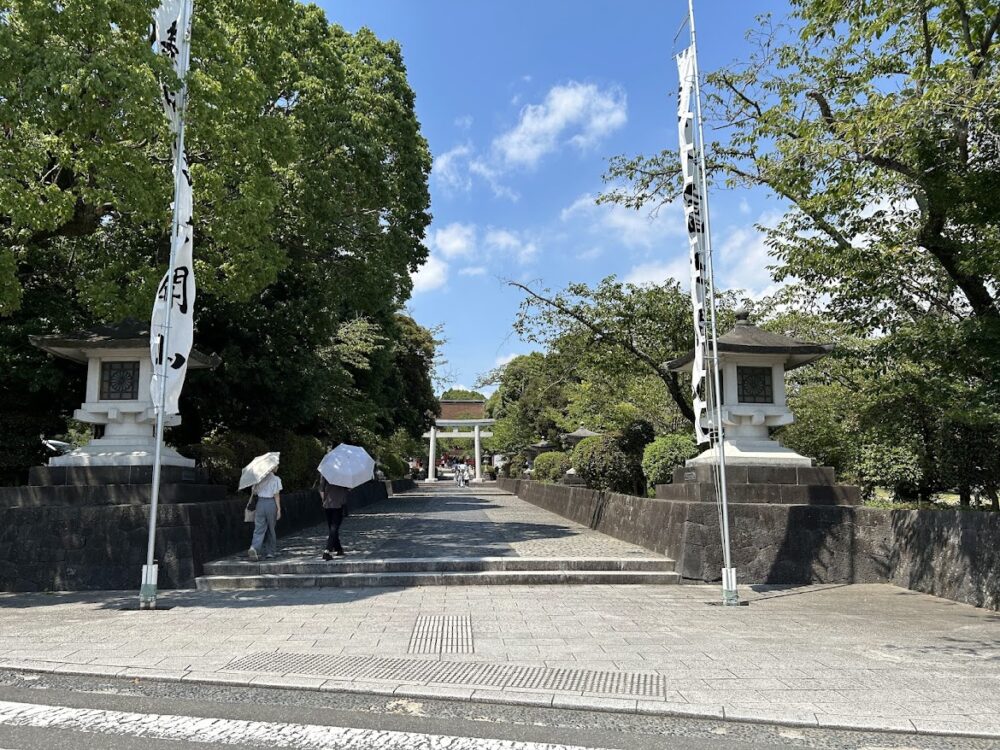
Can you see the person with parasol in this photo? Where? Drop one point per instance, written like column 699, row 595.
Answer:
column 341, row 470
column 264, row 505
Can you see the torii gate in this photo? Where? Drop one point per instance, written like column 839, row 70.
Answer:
column 456, row 427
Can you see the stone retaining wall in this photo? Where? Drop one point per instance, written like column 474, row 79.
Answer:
column 73, row 548
column 951, row 554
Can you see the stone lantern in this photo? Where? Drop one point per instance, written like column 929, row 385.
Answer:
column 119, row 369
column 572, row 439
column 753, row 363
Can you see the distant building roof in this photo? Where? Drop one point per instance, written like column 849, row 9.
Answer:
column 463, row 409
column 128, row 334
column 746, row 338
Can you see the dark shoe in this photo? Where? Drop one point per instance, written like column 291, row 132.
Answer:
column 327, row 556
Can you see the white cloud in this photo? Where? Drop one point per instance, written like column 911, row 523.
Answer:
column 473, row 271
column 505, row 359
column 451, row 169
column 432, row 275
column 744, row 207
column 454, row 240
column 576, row 113
column 592, row 254
column 464, row 122
column 659, row 272
column 492, row 177
column 743, row 260
column 625, row 226
column 511, row 245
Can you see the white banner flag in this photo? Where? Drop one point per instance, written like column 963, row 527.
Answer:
column 177, row 294
column 694, row 191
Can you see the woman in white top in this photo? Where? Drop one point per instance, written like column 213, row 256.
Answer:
column 265, row 539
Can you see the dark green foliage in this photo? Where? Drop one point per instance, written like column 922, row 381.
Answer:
column 551, row 466
column 664, row 454
column 300, row 457
column 515, row 467
column 393, row 466
column 897, row 468
column 224, row 454
column 603, row 465
column 635, row 436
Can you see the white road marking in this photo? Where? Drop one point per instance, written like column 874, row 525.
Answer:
column 245, row 733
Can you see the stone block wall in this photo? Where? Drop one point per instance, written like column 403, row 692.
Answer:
column 88, row 547
column 951, row 554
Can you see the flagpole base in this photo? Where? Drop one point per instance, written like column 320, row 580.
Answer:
column 730, row 596
column 147, row 590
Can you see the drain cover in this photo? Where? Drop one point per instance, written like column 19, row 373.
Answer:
column 442, row 634
column 474, row 674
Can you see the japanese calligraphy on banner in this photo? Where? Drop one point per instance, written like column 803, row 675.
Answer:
column 694, row 192
column 174, row 303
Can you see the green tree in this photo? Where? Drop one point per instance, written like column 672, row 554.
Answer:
column 462, row 394
column 618, row 327
column 311, row 204
column 876, row 123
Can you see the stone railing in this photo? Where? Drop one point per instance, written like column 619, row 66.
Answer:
column 72, row 547
column 951, row 554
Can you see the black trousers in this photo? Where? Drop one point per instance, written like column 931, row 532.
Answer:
column 334, row 517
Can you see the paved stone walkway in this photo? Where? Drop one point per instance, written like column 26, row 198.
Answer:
column 874, row 657
column 448, row 521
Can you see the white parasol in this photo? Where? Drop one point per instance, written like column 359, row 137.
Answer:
column 347, row 466
column 259, row 468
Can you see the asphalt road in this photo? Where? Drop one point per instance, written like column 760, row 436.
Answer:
column 50, row 712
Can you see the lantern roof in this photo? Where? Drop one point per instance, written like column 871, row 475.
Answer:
column 747, row 339
column 125, row 335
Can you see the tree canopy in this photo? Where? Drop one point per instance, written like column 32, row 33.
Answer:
column 311, row 203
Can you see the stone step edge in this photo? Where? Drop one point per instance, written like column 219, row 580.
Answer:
column 403, row 580
column 449, row 564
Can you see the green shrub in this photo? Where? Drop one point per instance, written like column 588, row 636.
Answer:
column 551, row 466
column 515, row 467
column 224, row 454
column 603, row 465
column 393, row 466
column 635, row 436
column 895, row 467
column 665, row 454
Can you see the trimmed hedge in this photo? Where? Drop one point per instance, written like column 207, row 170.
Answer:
column 551, row 466
column 665, row 454
column 603, row 465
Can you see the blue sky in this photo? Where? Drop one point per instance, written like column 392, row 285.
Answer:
column 522, row 103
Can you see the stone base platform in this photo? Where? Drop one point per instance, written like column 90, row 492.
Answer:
column 84, row 486
column 786, row 485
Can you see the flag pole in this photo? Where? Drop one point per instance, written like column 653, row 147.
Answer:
column 730, row 596
column 150, row 571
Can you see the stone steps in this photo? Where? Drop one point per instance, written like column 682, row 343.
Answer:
column 443, row 571
column 441, row 565
column 410, row 579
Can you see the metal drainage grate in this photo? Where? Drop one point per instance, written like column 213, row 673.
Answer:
column 477, row 674
column 442, row 634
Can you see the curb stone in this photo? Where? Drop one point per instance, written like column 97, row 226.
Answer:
column 565, row 701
